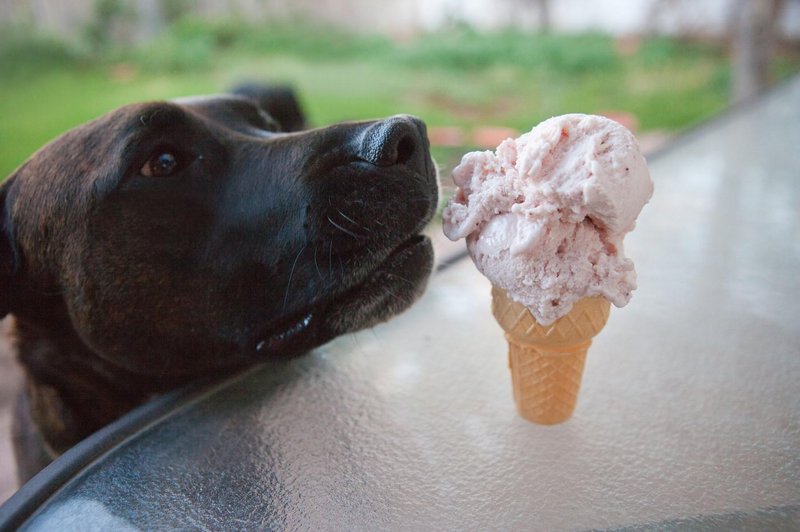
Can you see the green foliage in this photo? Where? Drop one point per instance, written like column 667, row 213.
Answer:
column 98, row 33
column 176, row 52
column 456, row 78
column 465, row 49
column 174, row 10
column 193, row 43
column 313, row 43
column 24, row 52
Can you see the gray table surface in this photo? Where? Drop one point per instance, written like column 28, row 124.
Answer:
column 689, row 416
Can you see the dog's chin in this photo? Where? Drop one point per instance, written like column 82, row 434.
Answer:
column 388, row 289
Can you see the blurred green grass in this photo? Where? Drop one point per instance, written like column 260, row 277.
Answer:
column 458, row 77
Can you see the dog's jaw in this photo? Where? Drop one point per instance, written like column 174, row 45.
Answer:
column 390, row 288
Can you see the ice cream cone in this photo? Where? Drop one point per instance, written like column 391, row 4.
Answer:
column 546, row 361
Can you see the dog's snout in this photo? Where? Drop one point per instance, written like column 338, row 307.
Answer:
column 396, row 140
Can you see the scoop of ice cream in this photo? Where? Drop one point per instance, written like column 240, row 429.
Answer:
column 545, row 214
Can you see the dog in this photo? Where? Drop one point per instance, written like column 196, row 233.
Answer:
column 166, row 242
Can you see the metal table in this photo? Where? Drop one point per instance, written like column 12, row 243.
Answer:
column 689, row 416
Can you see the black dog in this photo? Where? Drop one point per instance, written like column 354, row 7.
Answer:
column 168, row 241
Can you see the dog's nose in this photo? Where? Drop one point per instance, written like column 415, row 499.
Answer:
column 396, row 140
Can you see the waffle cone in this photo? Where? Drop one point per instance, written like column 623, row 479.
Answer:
column 546, row 361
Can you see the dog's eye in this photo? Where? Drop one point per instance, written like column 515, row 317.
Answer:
column 160, row 165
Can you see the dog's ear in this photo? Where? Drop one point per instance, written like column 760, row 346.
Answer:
column 9, row 254
column 279, row 101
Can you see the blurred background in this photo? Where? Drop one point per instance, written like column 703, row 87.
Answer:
column 476, row 71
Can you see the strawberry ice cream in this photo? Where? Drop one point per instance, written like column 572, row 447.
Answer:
column 545, row 214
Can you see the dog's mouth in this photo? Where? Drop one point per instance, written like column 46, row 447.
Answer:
column 389, row 288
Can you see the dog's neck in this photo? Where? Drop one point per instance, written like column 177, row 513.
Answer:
column 71, row 391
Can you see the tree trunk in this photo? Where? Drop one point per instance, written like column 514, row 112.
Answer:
column 754, row 40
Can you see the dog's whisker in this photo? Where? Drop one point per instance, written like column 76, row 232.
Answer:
column 339, row 227
column 330, row 259
column 392, row 293
column 343, row 215
column 291, row 274
column 401, row 278
column 316, row 265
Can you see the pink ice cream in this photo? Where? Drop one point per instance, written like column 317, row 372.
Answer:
column 545, row 214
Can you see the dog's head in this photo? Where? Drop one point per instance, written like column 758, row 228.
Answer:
column 182, row 237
